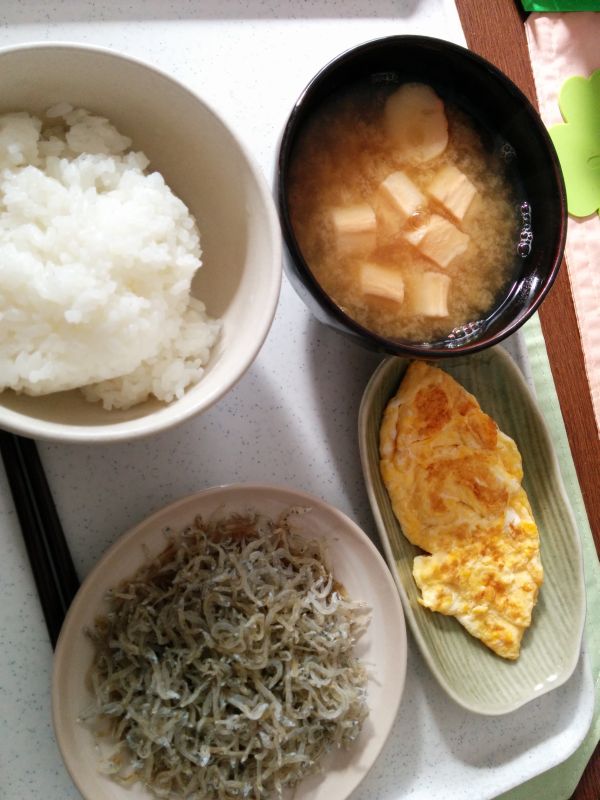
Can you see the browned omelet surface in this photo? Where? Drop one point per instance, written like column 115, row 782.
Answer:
column 454, row 480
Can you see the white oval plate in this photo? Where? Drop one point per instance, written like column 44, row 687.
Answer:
column 355, row 562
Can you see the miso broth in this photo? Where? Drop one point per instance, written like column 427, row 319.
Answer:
column 343, row 161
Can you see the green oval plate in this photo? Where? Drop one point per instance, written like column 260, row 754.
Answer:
column 471, row 674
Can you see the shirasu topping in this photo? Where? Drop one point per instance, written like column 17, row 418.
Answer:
column 225, row 667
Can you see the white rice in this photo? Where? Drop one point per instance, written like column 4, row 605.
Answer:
column 96, row 263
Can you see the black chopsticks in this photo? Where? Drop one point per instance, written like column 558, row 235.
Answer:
column 49, row 555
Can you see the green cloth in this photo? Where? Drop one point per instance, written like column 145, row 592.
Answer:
column 560, row 782
column 561, row 5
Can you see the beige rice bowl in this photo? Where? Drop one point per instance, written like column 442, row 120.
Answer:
column 97, row 257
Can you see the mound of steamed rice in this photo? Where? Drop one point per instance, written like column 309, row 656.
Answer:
column 96, row 262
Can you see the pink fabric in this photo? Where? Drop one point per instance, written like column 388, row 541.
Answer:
column 560, row 46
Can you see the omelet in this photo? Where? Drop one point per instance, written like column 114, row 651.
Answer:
column 454, row 480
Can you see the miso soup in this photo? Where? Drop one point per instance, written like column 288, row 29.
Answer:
column 404, row 217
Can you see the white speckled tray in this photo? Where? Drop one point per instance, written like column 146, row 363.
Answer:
column 291, row 420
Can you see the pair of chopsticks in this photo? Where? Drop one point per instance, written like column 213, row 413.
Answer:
column 51, row 562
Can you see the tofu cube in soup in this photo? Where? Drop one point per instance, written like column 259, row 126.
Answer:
column 382, row 283
column 439, row 240
column 398, row 198
column 354, row 228
column 429, row 294
column 452, row 189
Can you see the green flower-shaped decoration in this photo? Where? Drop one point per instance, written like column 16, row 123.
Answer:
column 577, row 143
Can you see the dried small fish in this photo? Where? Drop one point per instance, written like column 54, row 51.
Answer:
column 225, row 667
